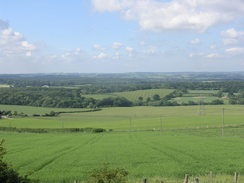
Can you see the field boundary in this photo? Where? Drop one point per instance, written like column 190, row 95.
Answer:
column 100, row 130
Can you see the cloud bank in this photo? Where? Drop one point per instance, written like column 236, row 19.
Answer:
column 154, row 15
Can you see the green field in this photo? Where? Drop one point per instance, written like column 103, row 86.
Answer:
column 133, row 95
column 136, row 118
column 66, row 157
column 201, row 96
column 4, row 86
column 165, row 142
column 36, row 110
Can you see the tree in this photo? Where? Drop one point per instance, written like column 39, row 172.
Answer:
column 108, row 175
column 140, row 98
column 219, row 94
column 156, row 97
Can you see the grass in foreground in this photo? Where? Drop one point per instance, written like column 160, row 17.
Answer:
column 170, row 154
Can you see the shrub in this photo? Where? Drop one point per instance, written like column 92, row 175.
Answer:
column 108, row 175
column 7, row 173
column 98, row 130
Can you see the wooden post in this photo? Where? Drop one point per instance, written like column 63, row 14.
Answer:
column 236, row 178
column 211, row 177
column 75, row 181
column 197, row 180
column 144, row 180
column 186, row 178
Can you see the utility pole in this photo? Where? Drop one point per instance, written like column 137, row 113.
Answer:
column 130, row 125
column 161, row 124
column 223, row 121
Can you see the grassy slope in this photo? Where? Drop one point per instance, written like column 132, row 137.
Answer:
column 133, row 95
column 141, row 118
column 35, row 110
column 57, row 157
column 200, row 95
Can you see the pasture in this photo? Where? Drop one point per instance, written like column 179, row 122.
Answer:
column 136, row 118
column 201, row 96
column 4, row 86
column 65, row 157
column 133, row 95
column 154, row 142
column 29, row 110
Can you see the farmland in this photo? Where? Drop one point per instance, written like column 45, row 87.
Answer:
column 4, row 86
column 147, row 141
column 201, row 96
column 136, row 118
column 133, row 95
column 69, row 156
column 36, row 110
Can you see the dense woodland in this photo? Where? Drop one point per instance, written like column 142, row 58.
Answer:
column 68, row 90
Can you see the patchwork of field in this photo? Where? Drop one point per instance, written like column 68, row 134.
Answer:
column 66, row 157
column 134, row 95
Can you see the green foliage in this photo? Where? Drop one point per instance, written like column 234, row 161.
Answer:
column 7, row 173
column 108, row 175
column 217, row 102
column 156, row 97
column 114, row 102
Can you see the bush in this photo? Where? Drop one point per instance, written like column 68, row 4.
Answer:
column 108, row 175
column 7, row 173
column 98, row 130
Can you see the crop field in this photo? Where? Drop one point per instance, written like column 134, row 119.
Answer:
column 136, row 118
column 170, row 154
column 133, row 95
column 153, row 142
column 4, row 86
column 198, row 99
column 35, row 110
column 201, row 96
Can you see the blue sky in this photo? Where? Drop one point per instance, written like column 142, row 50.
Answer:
column 121, row 36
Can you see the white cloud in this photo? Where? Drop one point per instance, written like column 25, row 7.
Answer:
column 129, row 49
column 109, row 5
column 100, row 56
column 213, row 55
column 117, row 45
column 195, row 41
column 116, row 56
column 235, row 51
column 14, row 44
column 156, row 15
column 231, row 36
column 98, row 47
column 213, row 46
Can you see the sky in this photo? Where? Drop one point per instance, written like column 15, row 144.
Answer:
column 114, row 36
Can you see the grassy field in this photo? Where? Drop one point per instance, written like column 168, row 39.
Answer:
column 201, row 96
column 66, row 157
column 173, row 141
column 4, row 86
column 35, row 110
column 136, row 118
column 133, row 95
